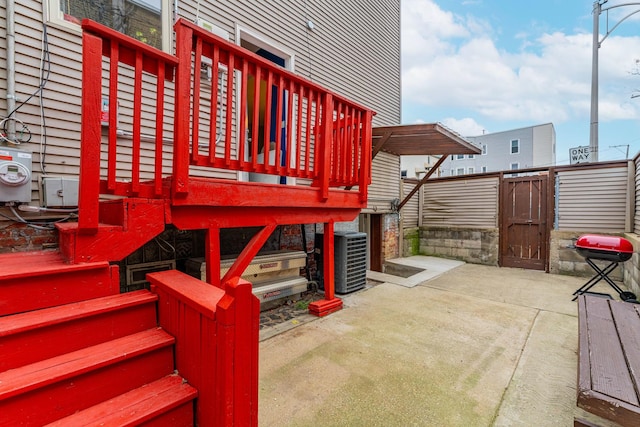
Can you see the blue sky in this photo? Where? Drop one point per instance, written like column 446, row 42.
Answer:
column 493, row 65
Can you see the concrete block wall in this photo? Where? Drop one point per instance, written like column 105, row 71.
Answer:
column 564, row 259
column 411, row 241
column 631, row 268
column 478, row 246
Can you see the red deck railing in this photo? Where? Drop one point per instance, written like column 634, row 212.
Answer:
column 229, row 110
column 217, row 334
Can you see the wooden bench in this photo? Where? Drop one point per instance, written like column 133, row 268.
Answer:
column 609, row 359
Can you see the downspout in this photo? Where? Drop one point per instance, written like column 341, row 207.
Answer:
column 11, row 68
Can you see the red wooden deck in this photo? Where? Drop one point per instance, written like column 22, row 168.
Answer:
column 324, row 144
column 194, row 137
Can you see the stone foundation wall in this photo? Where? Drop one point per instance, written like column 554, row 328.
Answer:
column 411, row 242
column 477, row 246
column 564, row 259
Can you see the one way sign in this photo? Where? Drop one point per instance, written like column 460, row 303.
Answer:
column 580, row 155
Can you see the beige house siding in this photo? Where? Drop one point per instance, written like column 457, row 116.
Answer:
column 385, row 183
column 592, row 200
column 353, row 49
column 61, row 94
column 469, row 203
column 410, row 212
column 3, row 57
column 361, row 63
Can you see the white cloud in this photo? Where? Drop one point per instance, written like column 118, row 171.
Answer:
column 464, row 127
column 452, row 62
column 426, row 31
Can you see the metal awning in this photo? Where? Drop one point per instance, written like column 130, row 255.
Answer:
column 423, row 139
column 420, row 139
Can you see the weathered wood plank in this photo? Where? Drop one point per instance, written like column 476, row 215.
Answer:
column 609, row 359
column 628, row 326
column 584, row 370
column 609, row 373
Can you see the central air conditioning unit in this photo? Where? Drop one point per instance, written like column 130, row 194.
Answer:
column 350, row 260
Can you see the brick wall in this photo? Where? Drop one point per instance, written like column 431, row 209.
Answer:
column 17, row 237
column 390, row 237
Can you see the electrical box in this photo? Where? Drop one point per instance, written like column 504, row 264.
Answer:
column 59, row 192
column 15, row 175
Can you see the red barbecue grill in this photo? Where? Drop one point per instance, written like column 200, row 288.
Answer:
column 606, row 248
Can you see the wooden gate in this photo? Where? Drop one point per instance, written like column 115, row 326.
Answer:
column 524, row 233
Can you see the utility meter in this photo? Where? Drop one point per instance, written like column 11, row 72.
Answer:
column 15, row 175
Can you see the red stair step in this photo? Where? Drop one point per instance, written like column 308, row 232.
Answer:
column 40, row 279
column 45, row 391
column 167, row 402
column 125, row 225
column 37, row 335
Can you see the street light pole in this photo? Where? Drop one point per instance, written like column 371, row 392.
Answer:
column 597, row 10
column 593, row 129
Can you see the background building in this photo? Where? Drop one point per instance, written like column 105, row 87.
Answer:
column 532, row 146
column 419, row 165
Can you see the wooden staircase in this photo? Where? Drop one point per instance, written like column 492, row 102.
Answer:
column 124, row 226
column 78, row 353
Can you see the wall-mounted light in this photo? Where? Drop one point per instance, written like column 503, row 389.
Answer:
column 310, row 25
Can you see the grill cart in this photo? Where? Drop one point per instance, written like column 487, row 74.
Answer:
column 604, row 248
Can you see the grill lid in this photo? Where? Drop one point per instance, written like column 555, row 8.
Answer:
column 604, row 247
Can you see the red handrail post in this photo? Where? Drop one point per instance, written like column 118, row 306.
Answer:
column 90, row 133
column 365, row 156
column 330, row 303
column 326, row 146
column 238, row 329
column 328, row 253
column 184, row 42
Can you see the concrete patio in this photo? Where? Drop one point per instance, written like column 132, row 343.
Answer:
column 468, row 345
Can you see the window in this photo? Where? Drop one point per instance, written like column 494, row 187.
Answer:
column 145, row 20
column 515, row 146
column 452, row 157
column 471, row 170
column 484, row 169
column 452, row 172
column 484, row 149
column 460, row 156
column 403, row 174
column 515, row 166
column 471, row 156
column 460, row 171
